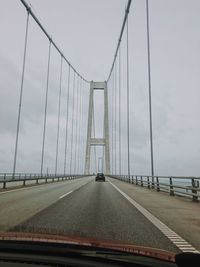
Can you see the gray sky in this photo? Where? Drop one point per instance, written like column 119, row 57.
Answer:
column 87, row 32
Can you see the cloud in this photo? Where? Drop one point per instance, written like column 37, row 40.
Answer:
column 90, row 47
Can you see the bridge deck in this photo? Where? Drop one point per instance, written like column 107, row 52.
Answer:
column 179, row 213
column 94, row 209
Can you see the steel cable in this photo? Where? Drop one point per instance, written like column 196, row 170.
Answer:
column 149, row 83
column 67, row 118
column 45, row 109
column 120, row 111
column 58, row 121
column 115, row 101
column 128, row 103
column 120, row 37
column 76, row 119
column 95, row 152
column 79, row 127
column 72, row 124
column 21, row 93
column 49, row 37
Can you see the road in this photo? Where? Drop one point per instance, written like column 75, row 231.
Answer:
column 20, row 204
column 80, row 207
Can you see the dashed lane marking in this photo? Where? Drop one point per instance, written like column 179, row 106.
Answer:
column 177, row 240
column 66, row 194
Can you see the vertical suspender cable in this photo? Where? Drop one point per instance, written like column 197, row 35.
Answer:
column 109, row 121
column 45, row 108
column 76, row 119
column 67, row 118
column 115, row 100
column 108, row 91
column 112, row 120
column 72, row 124
column 84, row 131
column 103, row 159
column 79, row 126
column 21, row 93
column 75, row 123
column 110, row 126
column 84, row 124
column 120, row 111
column 81, row 130
column 95, row 152
column 128, row 104
column 149, row 81
column 58, row 123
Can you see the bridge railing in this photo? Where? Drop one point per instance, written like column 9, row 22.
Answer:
column 176, row 185
column 25, row 177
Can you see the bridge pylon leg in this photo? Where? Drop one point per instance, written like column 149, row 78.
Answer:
column 97, row 141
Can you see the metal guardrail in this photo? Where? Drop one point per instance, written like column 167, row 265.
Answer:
column 176, row 185
column 25, row 177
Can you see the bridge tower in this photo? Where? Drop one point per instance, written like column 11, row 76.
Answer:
column 98, row 141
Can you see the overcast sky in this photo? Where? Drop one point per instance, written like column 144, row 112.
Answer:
column 87, row 32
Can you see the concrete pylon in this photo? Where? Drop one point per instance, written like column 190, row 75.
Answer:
column 97, row 141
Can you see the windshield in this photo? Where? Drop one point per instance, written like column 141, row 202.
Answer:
column 99, row 121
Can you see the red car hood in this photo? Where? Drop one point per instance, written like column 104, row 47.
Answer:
column 83, row 241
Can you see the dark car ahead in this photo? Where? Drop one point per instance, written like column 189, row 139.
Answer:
column 100, row 177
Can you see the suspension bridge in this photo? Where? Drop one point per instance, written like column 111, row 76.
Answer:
column 150, row 210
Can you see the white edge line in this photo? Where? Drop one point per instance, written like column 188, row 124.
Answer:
column 66, row 194
column 156, row 222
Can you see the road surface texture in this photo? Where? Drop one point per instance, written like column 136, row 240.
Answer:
column 179, row 213
column 97, row 210
column 20, row 204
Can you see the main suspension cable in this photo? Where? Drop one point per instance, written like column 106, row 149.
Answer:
column 120, row 37
column 50, row 38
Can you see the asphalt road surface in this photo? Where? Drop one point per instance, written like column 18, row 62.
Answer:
column 19, row 204
column 85, row 208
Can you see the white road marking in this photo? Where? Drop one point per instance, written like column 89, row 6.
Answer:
column 66, row 194
column 170, row 234
column 74, row 190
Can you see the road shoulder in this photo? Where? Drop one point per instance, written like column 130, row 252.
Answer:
column 180, row 214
